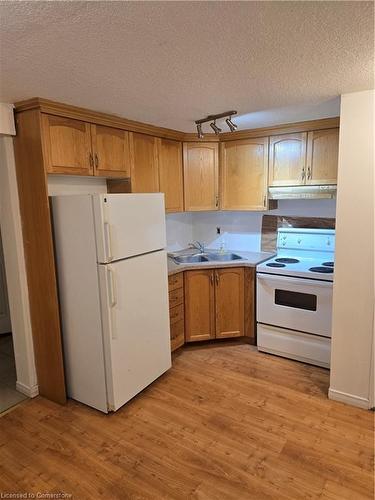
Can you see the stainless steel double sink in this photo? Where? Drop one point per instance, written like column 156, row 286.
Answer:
column 206, row 257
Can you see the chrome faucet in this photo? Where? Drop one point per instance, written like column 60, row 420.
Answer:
column 198, row 245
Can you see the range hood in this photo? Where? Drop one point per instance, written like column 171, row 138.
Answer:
column 302, row 192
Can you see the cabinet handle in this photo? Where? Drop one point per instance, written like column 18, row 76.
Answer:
column 212, row 279
column 303, row 173
column 217, row 278
column 264, row 201
column 91, row 160
column 217, row 201
column 309, row 172
column 96, row 160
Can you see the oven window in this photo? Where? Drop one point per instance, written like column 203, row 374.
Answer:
column 295, row 299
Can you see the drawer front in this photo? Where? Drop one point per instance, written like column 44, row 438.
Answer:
column 176, row 297
column 176, row 314
column 177, row 335
column 176, row 281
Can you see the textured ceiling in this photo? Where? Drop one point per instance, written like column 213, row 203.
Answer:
column 170, row 63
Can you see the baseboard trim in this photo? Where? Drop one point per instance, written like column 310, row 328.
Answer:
column 349, row 399
column 31, row 392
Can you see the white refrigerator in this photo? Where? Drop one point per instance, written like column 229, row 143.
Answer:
column 113, row 292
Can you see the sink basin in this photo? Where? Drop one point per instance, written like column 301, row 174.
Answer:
column 189, row 259
column 206, row 257
column 223, row 257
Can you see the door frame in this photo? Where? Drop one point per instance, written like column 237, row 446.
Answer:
column 14, row 259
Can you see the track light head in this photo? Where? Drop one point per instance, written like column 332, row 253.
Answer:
column 230, row 124
column 212, row 119
column 199, row 131
column 215, row 128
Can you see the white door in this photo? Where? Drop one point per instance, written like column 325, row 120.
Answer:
column 299, row 304
column 135, row 313
column 128, row 224
column 5, row 324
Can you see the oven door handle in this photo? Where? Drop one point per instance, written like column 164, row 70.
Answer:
column 289, row 279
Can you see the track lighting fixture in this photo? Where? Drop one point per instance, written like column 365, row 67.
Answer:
column 215, row 128
column 232, row 126
column 199, row 131
column 212, row 118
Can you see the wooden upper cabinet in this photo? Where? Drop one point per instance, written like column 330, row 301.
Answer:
column 243, row 174
column 201, row 176
column 111, row 151
column 66, row 145
column 229, row 302
column 199, row 305
column 287, row 165
column 322, row 156
column 144, row 174
column 170, row 174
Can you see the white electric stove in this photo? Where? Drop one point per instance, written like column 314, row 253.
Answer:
column 294, row 296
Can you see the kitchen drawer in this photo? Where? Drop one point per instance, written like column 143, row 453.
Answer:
column 176, row 281
column 176, row 314
column 176, row 297
column 177, row 335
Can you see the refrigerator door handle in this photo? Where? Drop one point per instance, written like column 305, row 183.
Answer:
column 108, row 241
column 112, row 297
column 111, row 286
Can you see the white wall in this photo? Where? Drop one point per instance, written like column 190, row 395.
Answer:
column 73, row 184
column 353, row 294
column 239, row 230
column 7, row 126
column 14, row 258
column 179, row 229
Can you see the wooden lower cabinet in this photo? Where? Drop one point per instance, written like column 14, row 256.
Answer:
column 199, row 305
column 176, row 310
column 177, row 335
column 214, row 303
column 229, row 302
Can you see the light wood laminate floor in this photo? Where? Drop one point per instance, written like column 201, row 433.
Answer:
column 226, row 422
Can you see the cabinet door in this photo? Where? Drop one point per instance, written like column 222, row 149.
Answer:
column 201, row 176
column 170, row 174
column 229, row 303
column 111, row 151
column 243, row 172
column 322, row 156
column 199, row 305
column 144, row 175
column 66, row 146
column 287, row 159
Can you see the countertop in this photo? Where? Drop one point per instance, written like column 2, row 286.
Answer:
column 252, row 259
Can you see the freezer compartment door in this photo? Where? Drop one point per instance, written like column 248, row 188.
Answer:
column 135, row 311
column 127, row 225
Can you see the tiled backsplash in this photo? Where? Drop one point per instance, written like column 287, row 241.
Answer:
column 239, row 230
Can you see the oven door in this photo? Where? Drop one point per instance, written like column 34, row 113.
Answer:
column 296, row 303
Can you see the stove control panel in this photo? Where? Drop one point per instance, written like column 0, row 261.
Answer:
column 306, row 239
